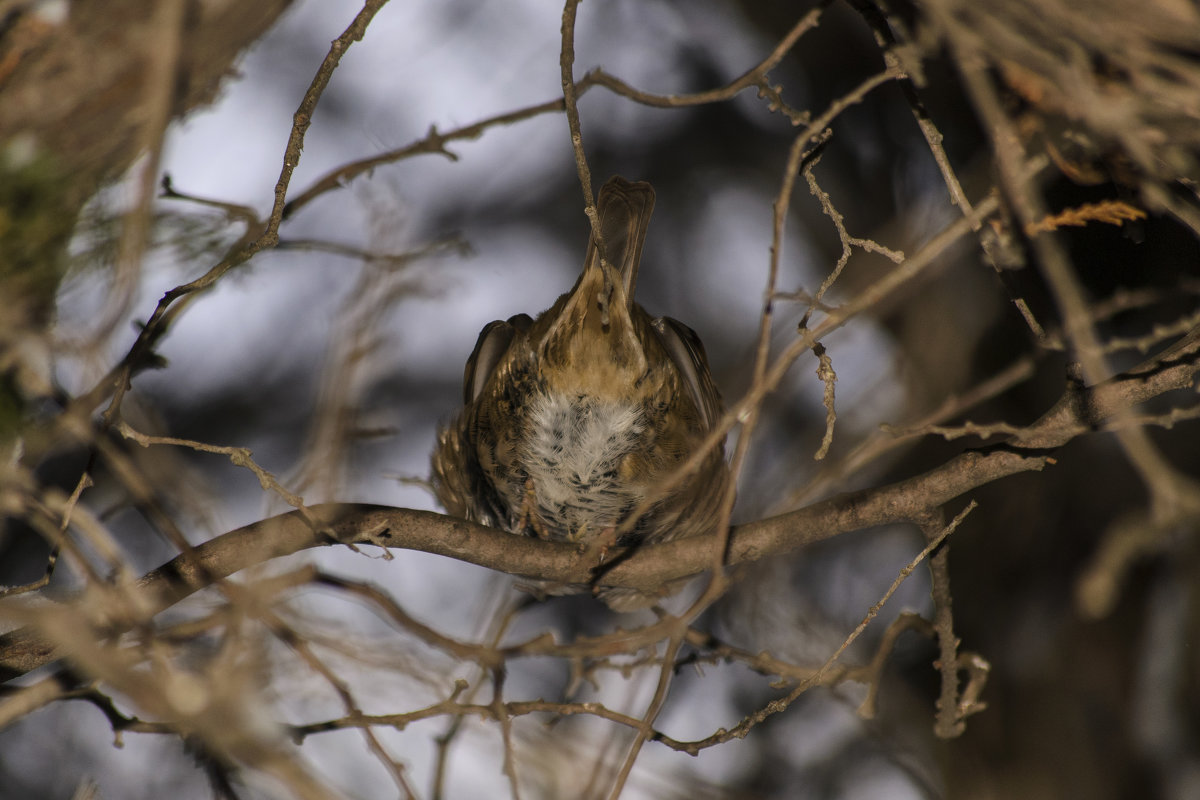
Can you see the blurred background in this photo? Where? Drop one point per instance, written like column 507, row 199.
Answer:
column 335, row 357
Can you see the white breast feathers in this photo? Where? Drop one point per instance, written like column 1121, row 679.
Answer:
column 575, row 449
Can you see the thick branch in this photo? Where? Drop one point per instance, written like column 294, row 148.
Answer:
column 1078, row 412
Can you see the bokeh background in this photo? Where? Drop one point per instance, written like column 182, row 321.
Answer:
column 336, row 371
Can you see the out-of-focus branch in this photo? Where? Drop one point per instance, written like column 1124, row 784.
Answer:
column 53, row 70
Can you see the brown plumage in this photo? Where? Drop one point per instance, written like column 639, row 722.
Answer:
column 572, row 419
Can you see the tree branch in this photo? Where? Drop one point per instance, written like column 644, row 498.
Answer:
column 1076, row 413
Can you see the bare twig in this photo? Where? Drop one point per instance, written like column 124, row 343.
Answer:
column 254, row 242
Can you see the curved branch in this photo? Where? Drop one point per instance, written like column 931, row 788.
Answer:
column 1076, row 413
column 435, row 142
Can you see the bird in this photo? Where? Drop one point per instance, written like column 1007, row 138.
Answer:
column 574, row 420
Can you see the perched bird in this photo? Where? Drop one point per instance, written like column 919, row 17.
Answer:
column 573, row 419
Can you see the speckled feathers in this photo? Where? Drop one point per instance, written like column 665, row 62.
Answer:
column 574, row 419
